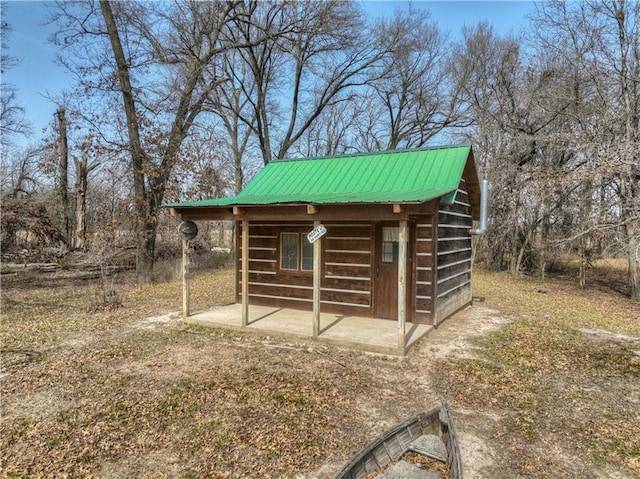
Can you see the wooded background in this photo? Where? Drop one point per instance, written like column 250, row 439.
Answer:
column 186, row 100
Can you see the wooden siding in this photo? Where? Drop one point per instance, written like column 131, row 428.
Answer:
column 347, row 255
column 424, row 271
column 346, row 277
column 439, row 279
column 453, row 270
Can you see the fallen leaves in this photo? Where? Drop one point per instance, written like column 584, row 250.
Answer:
column 105, row 398
column 193, row 400
column 559, row 385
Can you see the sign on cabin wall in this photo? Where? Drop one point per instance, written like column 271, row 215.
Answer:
column 317, row 233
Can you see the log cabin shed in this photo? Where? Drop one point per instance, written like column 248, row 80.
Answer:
column 393, row 234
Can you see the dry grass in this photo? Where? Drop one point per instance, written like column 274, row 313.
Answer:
column 40, row 310
column 601, row 304
column 563, row 390
column 102, row 394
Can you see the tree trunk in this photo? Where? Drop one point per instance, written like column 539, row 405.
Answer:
column 633, row 251
column 634, row 289
column 146, row 245
column 523, row 250
column 628, row 70
column 63, row 173
column 582, row 274
column 80, row 232
column 145, row 224
column 513, row 255
column 238, row 173
column 544, row 237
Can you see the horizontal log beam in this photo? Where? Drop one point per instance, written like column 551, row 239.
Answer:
column 341, row 212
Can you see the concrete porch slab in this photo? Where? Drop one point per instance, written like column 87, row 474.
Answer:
column 364, row 334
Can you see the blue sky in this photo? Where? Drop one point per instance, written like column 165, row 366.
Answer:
column 38, row 76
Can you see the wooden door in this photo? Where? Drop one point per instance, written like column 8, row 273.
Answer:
column 386, row 270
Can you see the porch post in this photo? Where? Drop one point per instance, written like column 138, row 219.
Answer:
column 245, row 273
column 185, row 278
column 317, row 269
column 402, row 283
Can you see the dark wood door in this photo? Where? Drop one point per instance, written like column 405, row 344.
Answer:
column 386, row 270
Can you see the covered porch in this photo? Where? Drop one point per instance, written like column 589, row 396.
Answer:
column 364, row 334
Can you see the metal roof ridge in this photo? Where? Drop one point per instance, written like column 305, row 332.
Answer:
column 370, row 153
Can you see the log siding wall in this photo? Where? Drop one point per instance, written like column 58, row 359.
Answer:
column 424, row 271
column 453, row 255
column 440, row 274
column 346, row 277
column 347, row 255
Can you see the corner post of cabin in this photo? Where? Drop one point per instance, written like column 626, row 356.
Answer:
column 317, row 269
column 245, row 273
column 402, row 283
column 185, row 278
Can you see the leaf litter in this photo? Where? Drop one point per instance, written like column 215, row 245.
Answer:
column 110, row 395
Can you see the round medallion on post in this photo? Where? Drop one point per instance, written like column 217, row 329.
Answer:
column 188, row 230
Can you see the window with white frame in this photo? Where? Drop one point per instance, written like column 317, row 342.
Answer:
column 296, row 252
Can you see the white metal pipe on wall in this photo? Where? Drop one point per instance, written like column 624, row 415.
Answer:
column 484, row 200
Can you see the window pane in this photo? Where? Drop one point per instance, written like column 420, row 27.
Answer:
column 307, row 254
column 387, row 252
column 390, row 245
column 391, row 234
column 289, row 251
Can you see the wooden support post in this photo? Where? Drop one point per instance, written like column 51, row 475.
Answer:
column 245, row 273
column 185, row 278
column 317, row 276
column 402, row 283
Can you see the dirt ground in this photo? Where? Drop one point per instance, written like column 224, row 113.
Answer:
column 120, row 397
column 25, row 400
column 452, row 340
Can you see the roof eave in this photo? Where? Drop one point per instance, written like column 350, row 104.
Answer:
column 184, row 206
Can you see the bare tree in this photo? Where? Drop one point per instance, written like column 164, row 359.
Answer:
column 63, row 172
column 486, row 75
column 313, row 53
column 84, row 166
column 336, row 131
column 600, row 42
column 12, row 120
column 412, row 84
column 518, row 103
column 231, row 103
column 161, row 56
column 20, row 176
column 206, row 168
column 556, row 130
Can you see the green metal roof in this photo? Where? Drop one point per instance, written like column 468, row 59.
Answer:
column 406, row 176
